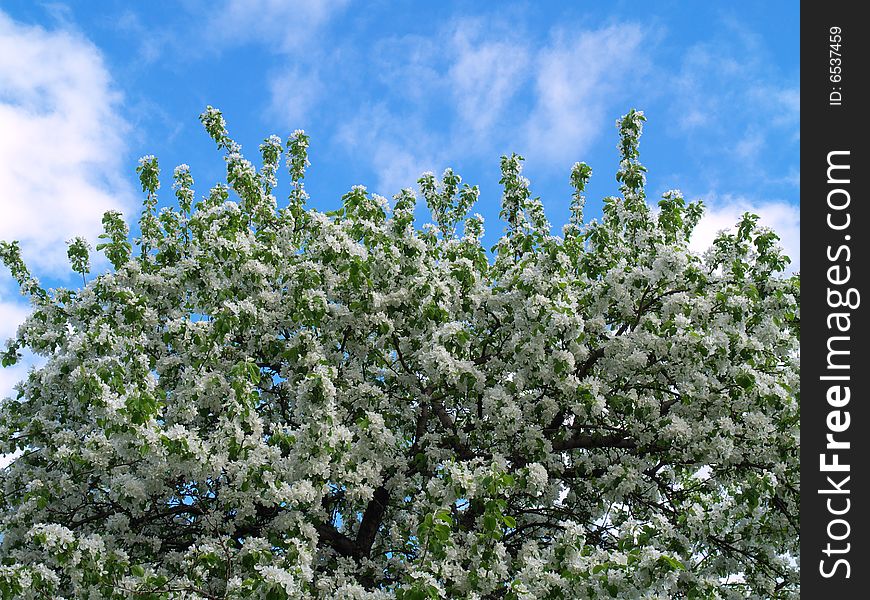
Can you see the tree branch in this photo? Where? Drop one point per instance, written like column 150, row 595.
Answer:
column 336, row 540
column 371, row 522
column 585, row 440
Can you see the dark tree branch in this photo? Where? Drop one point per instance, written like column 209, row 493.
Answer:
column 371, row 522
column 336, row 540
column 585, row 440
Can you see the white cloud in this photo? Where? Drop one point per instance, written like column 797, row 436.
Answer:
column 399, row 150
column 783, row 108
column 576, row 79
column 294, row 93
column 62, row 144
column 152, row 43
column 12, row 376
column 291, row 29
column 398, row 168
column 412, row 67
column 61, row 154
column 728, row 99
column 6, row 459
column 472, row 69
column 12, row 314
column 723, row 214
column 285, row 25
column 749, row 145
column 498, row 92
column 484, row 76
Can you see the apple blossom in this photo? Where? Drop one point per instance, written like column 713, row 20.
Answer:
column 262, row 400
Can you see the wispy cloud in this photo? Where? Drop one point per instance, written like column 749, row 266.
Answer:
column 577, row 78
column 399, row 150
column 730, row 106
column 62, row 146
column 448, row 94
column 291, row 32
column 151, row 43
column 729, row 102
column 474, row 88
column 294, row 92
column 485, row 75
column 282, row 25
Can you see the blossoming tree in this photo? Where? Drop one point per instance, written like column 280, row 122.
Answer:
column 276, row 402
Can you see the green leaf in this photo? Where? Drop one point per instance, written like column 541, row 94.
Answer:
column 490, row 522
column 673, row 563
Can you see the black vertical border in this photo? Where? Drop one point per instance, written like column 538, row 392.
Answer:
column 828, row 126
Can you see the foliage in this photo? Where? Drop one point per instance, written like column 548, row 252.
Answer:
column 269, row 402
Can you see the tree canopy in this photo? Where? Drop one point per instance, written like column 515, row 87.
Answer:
column 264, row 401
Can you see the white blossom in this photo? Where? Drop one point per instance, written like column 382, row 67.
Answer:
column 275, row 402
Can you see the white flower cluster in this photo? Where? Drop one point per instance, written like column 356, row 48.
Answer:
column 282, row 403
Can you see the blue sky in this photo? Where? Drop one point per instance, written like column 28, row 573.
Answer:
column 387, row 90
